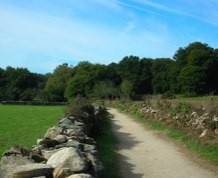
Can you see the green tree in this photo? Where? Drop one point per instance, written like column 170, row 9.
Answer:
column 79, row 85
column 197, row 57
column 145, row 77
column 86, row 78
column 126, row 88
column 129, row 69
column 160, row 81
column 192, row 80
column 57, row 82
column 106, row 90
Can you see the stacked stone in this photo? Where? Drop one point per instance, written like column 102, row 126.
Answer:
column 65, row 151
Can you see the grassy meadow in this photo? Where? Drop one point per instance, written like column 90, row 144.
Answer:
column 24, row 124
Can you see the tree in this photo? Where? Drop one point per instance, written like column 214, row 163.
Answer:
column 105, row 90
column 160, row 70
column 198, row 57
column 126, row 88
column 145, row 78
column 57, row 83
column 129, row 69
column 112, row 74
column 192, row 80
column 79, row 85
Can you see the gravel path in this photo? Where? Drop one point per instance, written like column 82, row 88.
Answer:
column 144, row 154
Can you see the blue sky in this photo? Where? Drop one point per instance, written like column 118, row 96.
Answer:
column 41, row 34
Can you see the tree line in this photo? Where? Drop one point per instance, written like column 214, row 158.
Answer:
column 193, row 71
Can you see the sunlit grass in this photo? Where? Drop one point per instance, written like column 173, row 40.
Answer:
column 24, row 124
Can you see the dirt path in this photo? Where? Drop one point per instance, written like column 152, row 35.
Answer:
column 144, row 154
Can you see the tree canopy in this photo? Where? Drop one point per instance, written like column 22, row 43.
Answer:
column 192, row 71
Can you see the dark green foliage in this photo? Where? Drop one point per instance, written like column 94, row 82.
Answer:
column 106, row 90
column 168, row 95
column 192, row 72
column 20, row 84
column 145, row 85
column 160, row 80
column 92, row 115
column 198, row 65
column 57, row 83
column 126, row 88
column 83, row 82
column 192, row 80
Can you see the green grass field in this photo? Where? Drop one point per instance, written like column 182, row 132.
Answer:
column 24, row 124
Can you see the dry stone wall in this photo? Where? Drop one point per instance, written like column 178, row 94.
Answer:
column 65, row 151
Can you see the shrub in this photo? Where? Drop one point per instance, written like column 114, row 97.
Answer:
column 181, row 108
column 168, row 95
column 91, row 115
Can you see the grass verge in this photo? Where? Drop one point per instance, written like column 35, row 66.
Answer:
column 106, row 144
column 24, row 124
column 203, row 98
column 208, row 152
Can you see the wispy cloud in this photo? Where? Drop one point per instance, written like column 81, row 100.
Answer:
column 42, row 34
column 207, row 12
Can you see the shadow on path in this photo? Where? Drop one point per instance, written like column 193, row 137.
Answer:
column 125, row 142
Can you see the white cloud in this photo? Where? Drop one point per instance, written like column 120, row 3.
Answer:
column 97, row 30
column 202, row 10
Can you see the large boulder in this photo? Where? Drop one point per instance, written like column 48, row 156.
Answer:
column 69, row 158
column 65, row 121
column 2, row 173
column 16, row 159
column 33, row 170
column 61, row 138
column 53, row 132
column 48, row 153
column 62, row 172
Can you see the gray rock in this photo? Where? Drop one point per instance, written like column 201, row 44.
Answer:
column 33, row 170
column 53, row 132
column 68, row 158
column 48, row 143
column 80, row 176
column 61, row 138
column 38, row 141
column 2, row 173
column 77, row 123
column 96, row 164
column 62, row 172
column 75, row 130
column 65, row 121
column 16, row 159
column 89, row 148
column 203, row 133
column 74, row 144
column 48, row 153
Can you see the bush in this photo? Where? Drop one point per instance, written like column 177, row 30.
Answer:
column 181, row 108
column 88, row 113
column 168, row 95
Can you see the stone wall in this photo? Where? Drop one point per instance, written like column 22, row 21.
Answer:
column 65, row 151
